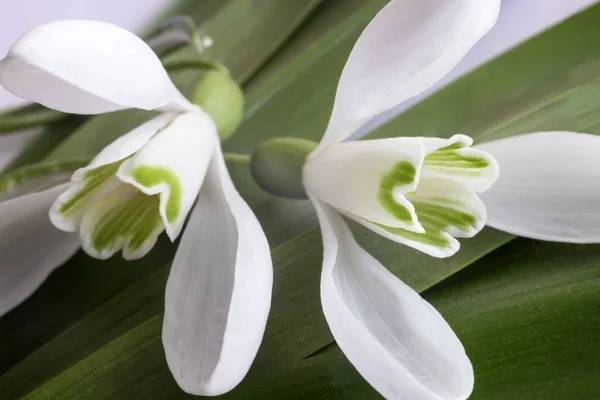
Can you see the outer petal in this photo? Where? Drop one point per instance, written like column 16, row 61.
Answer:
column 90, row 182
column 369, row 178
column 399, row 343
column 548, row 187
column 407, row 48
column 30, row 247
column 88, row 67
column 173, row 165
column 219, row 292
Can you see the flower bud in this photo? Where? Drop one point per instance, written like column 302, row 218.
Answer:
column 220, row 96
column 276, row 166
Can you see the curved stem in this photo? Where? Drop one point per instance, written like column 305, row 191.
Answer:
column 236, row 158
column 195, row 64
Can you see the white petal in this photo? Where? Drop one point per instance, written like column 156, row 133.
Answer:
column 396, row 340
column 368, row 178
column 548, row 186
column 30, row 247
column 219, row 291
column 88, row 67
column 407, row 48
column 173, row 164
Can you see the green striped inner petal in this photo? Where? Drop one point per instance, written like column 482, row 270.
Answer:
column 451, row 157
column 92, row 183
column 430, row 237
column 402, row 174
column 124, row 218
column 440, row 218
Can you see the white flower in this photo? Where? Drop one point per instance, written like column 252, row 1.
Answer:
column 219, row 290
column 423, row 192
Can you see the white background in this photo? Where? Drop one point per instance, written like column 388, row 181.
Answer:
column 519, row 19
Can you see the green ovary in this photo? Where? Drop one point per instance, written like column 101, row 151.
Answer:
column 402, row 174
column 149, row 176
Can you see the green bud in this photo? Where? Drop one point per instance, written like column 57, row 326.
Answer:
column 276, row 165
column 220, row 96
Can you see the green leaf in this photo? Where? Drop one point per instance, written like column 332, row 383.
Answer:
column 30, row 116
column 35, row 177
column 526, row 311
column 43, row 143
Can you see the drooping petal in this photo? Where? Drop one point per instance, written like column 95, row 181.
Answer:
column 30, row 247
column 219, row 291
column 548, row 186
column 173, row 165
column 90, row 182
column 368, row 178
column 455, row 160
column 396, row 340
column 407, row 48
column 88, row 67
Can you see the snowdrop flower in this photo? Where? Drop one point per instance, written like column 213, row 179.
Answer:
column 146, row 182
column 421, row 192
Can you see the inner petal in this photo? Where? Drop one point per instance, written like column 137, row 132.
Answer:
column 458, row 162
column 444, row 205
column 172, row 166
column 123, row 219
column 368, row 179
column 69, row 207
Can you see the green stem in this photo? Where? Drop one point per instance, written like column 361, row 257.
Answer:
column 195, row 64
column 236, row 158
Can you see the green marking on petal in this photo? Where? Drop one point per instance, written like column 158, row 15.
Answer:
column 433, row 216
column 131, row 219
column 149, row 223
column 93, row 182
column 150, row 176
column 402, row 174
column 430, row 238
column 453, row 146
column 448, row 157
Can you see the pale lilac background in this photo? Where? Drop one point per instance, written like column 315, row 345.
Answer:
column 519, row 20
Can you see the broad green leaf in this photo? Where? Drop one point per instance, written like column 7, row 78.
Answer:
column 527, row 311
